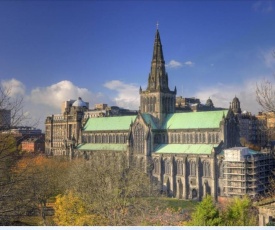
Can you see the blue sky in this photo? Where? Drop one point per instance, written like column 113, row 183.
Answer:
column 51, row 51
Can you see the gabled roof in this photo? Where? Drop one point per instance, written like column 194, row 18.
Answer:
column 102, row 147
column 119, row 123
column 185, row 148
column 194, row 120
column 149, row 120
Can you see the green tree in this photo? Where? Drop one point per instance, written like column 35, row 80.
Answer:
column 240, row 212
column 206, row 214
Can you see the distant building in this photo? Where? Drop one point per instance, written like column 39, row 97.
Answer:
column 33, row 145
column 63, row 131
column 5, row 119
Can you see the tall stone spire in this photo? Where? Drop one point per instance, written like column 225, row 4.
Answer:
column 158, row 78
column 157, row 99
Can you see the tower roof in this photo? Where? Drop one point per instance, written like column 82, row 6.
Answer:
column 158, row 78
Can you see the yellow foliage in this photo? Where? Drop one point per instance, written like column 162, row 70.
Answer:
column 70, row 210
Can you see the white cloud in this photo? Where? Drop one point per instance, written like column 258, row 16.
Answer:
column 222, row 95
column 55, row 94
column 15, row 87
column 263, row 6
column 269, row 57
column 174, row 64
column 189, row 63
column 127, row 94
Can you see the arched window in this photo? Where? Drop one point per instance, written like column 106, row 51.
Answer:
column 203, row 137
column 206, row 169
column 191, row 138
column 121, row 138
column 117, row 139
column 179, row 167
column 217, row 138
column 213, row 138
column 138, row 139
column 179, row 139
column 192, row 168
column 156, row 166
column 209, row 138
column 167, row 168
column 183, row 138
column 110, row 139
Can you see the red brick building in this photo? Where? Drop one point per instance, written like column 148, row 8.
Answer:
column 33, row 145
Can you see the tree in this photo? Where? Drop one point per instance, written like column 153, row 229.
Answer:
column 11, row 114
column 240, row 212
column 43, row 178
column 71, row 210
column 112, row 187
column 265, row 95
column 206, row 214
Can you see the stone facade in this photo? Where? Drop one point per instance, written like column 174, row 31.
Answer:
column 182, row 149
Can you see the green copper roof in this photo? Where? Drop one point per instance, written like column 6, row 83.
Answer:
column 185, row 148
column 194, row 120
column 149, row 120
column 119, row 123
column 103, row 147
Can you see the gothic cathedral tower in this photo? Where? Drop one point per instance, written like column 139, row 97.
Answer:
column 157, row 99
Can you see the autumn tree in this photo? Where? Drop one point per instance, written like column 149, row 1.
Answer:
column 112, row 187
column 71, row 210
column 43, row 178
column 11, row 109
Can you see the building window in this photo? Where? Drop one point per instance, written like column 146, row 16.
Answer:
column 167, row 168
column 217, row 138
column 206, row 169
column 179, row 167
column 192, row 168
column 138, row 140
column 183, row 138
column 156, row 166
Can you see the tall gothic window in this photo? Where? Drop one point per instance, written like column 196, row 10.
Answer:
column 167, row 168
column 179, row 167
column 183, row 138
column 206, row 169
column 209, row 138
column 192, row 168
column 138, row 139
column 156, row 166
column 217, row 138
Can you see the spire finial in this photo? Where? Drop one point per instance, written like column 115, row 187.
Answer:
column 157, row 25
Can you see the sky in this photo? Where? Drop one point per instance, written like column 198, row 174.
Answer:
column 52, row 51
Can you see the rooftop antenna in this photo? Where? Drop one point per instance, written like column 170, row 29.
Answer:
column 157, row 25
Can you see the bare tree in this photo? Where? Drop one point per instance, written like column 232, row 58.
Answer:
column 113, row 188
column 265, row 95
column 11, row 114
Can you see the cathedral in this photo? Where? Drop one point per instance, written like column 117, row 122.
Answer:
column 181, row 150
